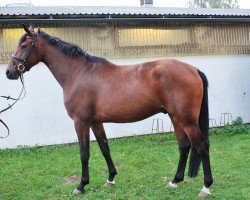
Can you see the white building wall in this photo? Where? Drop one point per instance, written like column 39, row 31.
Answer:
column 41, row 119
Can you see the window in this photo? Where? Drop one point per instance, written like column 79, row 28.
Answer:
column 152, row 37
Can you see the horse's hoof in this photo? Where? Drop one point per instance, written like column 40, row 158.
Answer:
column 171, row 185
column 109, row 183
column 205, row 192
column 77, row 192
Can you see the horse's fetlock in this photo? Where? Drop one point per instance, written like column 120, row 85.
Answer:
column 208, row 182
column 113, row 172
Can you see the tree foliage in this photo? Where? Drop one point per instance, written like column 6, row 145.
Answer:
column 213, row 3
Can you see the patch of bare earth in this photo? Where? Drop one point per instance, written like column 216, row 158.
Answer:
column 71, row 179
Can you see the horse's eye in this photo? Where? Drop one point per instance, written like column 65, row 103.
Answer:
column 23, row 46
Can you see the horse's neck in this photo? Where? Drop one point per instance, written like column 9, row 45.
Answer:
column 63, row 67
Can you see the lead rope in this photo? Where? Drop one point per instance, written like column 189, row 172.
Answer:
column 20, row 97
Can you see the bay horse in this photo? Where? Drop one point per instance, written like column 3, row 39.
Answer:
column 97, row 91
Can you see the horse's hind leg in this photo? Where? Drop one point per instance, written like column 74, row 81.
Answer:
column 201, row 144
column 184, row 147
column 101, row 138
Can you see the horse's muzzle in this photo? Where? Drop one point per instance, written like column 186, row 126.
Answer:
column 12, row 74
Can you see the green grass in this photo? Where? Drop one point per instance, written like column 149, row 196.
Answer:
column 145, row 164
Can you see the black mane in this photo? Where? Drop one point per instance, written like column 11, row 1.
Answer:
column 70, row 49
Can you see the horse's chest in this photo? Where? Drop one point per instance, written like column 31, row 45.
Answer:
column 79, row 106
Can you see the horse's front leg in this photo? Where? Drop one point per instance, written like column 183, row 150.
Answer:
column 82, row 130
column 101, row 138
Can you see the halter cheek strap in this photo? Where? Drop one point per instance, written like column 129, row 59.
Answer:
column 21, row 67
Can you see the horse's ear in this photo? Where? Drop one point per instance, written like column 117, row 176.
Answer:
column 31, row 28
column 26, row 29
column 39, row 30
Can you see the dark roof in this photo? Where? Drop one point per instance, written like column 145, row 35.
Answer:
column 81, row 12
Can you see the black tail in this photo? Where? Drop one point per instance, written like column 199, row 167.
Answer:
column 195, row 161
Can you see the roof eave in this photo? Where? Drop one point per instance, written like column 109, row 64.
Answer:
column 14, row 19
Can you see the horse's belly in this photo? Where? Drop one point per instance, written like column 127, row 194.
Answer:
column 126, row 113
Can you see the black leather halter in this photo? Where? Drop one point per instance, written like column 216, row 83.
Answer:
column 21, row 67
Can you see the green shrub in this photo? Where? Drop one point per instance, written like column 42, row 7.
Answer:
column 214, row 130
column 237, row 127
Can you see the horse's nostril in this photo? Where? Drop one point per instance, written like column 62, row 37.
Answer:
column 7, row 72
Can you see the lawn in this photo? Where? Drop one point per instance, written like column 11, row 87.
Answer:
column 145, row 164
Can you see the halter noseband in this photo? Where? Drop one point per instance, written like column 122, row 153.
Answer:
column 21, row 67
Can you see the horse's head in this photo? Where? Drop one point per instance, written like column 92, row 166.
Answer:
column 26, row 56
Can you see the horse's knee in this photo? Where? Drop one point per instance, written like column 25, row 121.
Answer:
column 84, row 154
